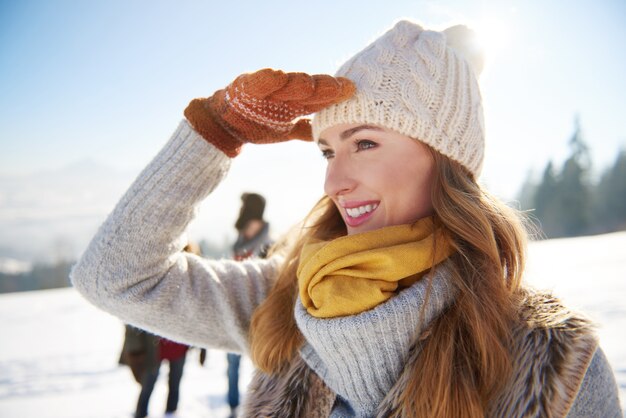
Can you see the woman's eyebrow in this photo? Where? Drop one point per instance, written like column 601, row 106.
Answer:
column 349, row 132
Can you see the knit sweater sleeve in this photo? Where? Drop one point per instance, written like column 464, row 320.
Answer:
column 135, row 269
column 598, row 394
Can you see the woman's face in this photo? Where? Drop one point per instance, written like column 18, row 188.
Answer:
column 375, row 176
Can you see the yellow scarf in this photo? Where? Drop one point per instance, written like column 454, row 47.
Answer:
column 352, row 274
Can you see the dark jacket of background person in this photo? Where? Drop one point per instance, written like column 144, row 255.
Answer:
column 143, row 352
column 140, row 351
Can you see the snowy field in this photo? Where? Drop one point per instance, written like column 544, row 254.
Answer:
column 58, row 355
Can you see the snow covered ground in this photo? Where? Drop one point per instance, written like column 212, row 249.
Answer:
column 58, row 354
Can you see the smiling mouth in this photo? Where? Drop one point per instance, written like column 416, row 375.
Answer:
column 361, row 210
column 359, row 214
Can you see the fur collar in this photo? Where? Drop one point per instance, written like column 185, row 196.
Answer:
column 296, row 391
column 552, row 350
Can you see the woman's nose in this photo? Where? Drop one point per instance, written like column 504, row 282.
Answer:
column 340, row 178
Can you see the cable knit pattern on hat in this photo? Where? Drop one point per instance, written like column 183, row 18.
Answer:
column 416, row 82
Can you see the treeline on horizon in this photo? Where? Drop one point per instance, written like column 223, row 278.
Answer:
column 55, row 274
column 570, row 201
column 42, row 276
column 564, row 202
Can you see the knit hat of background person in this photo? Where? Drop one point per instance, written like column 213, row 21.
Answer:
column 253, row 206
column 420, row 83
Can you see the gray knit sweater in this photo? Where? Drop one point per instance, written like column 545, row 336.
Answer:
column 134, row 268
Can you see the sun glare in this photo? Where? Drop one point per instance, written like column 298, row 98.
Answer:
column 494, row 34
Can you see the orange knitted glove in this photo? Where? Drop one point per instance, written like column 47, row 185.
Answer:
column 262, row 108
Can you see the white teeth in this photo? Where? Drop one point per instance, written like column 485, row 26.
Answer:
column 356, row 212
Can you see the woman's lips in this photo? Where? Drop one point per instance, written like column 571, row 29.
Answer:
column 356, row 213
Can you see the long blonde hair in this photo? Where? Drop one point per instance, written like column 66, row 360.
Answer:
column 465, row 352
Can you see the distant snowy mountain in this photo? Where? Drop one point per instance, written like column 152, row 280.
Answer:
column 58, row 356
column 12, row 266
column 52, row 214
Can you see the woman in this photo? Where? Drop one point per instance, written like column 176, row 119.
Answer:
column 401, row 296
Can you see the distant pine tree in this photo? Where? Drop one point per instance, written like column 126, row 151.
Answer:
column 563, row 200
column 546, row 203
column 567, row 203
column 574, row 188
column 526, row 195
column 574, row 199
column 610, row 197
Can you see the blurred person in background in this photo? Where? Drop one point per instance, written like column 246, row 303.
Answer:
column 143, row 353
column 253, row 240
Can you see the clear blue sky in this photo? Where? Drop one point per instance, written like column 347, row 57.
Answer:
column 108, row 80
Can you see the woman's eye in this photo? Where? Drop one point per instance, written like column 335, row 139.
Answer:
column 365, row 144
column 327, row 154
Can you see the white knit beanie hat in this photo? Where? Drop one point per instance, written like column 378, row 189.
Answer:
column 422, row 84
